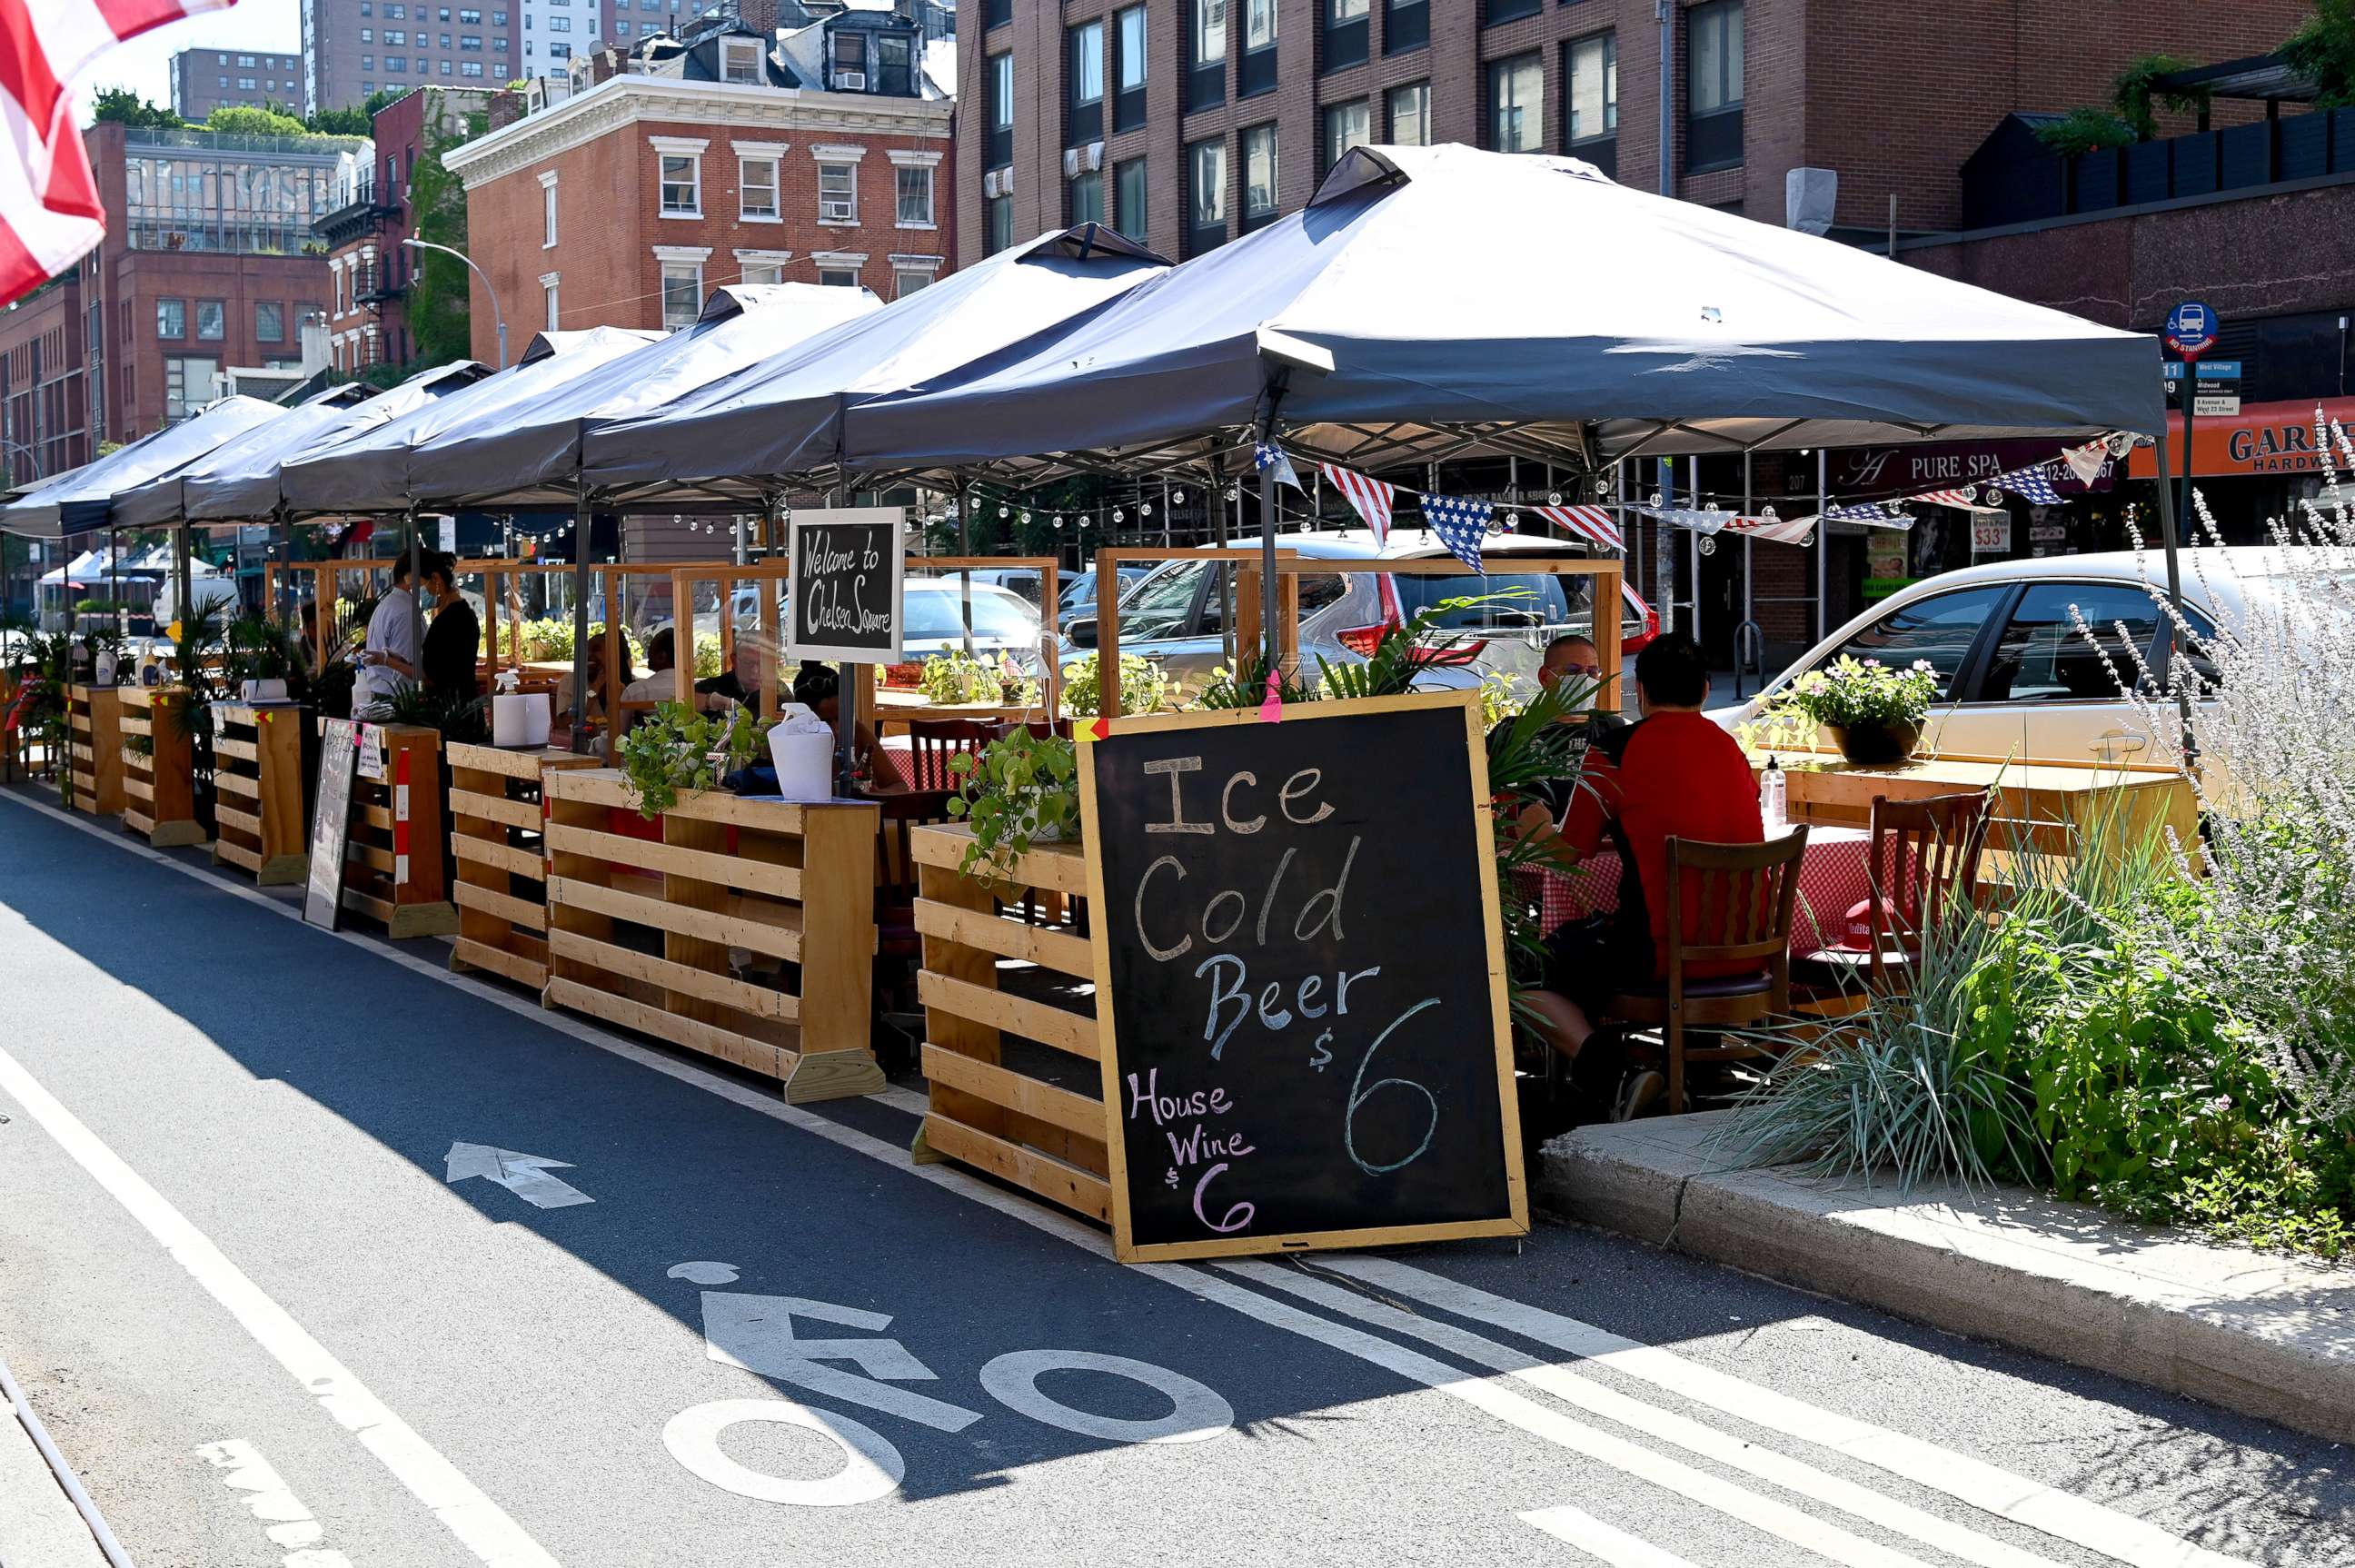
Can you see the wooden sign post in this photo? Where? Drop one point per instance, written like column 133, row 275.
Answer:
column 331, row 822
column 1300, row 979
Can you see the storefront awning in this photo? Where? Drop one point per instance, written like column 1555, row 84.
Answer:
column 2264, row 440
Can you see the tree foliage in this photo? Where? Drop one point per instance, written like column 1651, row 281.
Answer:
column 439, row 319
column 2085, row 131
column 122, row 106
column 2323, row 48
column 2137, row 92
column 242, row 120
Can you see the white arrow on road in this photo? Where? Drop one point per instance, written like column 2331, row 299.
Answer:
column 525, row 1174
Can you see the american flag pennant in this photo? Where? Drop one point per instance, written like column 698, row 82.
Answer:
column 1959, row 499
column 1461, row 524
column 1369, row 497
column 1873, row 514
column 1267, row 456
column 2033, row 485
column 1591, row 523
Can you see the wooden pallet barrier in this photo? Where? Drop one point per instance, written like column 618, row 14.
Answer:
column 746, row 931
column 95, row 748
column 258, row 790
column 1033, row 1114
column 159, row 777
column 393, row 870
column 499, row 872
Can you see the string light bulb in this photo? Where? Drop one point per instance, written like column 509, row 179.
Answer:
column 1554, row 498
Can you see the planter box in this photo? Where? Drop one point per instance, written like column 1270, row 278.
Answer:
column 499, row 858
column 159, row 784
column 646, row 923
column 258, row 813
column 1012, row 1064
column 393, row 870
column 94, row 747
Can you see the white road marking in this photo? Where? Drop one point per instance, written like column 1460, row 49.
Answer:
column 1709, row 1442
column 1998, row 1491
column 756, row 1332
column 703, row 1273
column 1197, row 1411
column 2055, row 1513
column 525, row 1174
column 1606, row 1543
column 269, row 1499
column 872, row 1467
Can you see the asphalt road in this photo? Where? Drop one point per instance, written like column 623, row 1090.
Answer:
column 264, row 1323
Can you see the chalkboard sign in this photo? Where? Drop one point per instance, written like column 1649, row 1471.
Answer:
column 1300, row 979
column 331, row 822
column 846, row 597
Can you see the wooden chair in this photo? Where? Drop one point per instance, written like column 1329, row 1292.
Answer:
column 932, row 741
column 1743, row 895
column 1925, row 853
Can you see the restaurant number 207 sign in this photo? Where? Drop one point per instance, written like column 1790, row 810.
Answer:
column 845, row 595
column 1300, row 985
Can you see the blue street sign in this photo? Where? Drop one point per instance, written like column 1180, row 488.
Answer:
column 2219, row 370
column 2191, row 329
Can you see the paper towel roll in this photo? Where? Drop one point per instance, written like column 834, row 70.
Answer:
column 519, row 719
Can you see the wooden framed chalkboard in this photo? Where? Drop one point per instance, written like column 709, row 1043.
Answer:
column 847, row 587
column 331, row 822
column 1300, row 979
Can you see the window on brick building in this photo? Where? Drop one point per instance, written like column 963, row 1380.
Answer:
column 212, row 319
column 1260, row 191
column 1589, row 77
column 470, row 41
column 837, row 277
column 1495, row 11
column 739, row 59
column 913, row 184
column 1257, row 72
column 368, row 35
column 1406, row 26
column 1347, row 29
column 1084, row 198
column 756, row 185
column 1714, row 86
column 1347, row 125
column 547, row 213
column 996, row 13
column 1408, row 110
column 759, row 268
column 1128, row 68
column 188, row 383
column 906, row 281
column 548, row 298
column 838, row 193
column 1083, row 74
column 1516, row 104
column 268, row 322
column 1206, row 52
column 1001, row 110
column 682, row 185
column 1128, row 198
column 682, row 294
column 997, row 224
column 470, row 68
column 1206, row 195
column 171, row 318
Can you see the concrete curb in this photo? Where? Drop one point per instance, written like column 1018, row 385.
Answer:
column 2256, row 1333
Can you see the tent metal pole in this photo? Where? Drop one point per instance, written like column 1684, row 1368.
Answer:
column 1270, row 638
column 581, row 533
column 2170, row 539
column 1823, row 546
column 416, row 601
column 180, row 577
column 964, row 546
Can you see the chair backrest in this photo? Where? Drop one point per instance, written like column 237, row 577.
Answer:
column 895, row 864
column 932, row 741
column 1048, row 728
column 1923, row 853
column 1736, row 898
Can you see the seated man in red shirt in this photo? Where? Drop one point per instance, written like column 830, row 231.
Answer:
column 1674, row 774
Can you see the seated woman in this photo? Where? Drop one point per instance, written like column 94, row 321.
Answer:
column 571, row 709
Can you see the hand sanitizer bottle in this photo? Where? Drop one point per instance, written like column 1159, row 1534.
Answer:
column 1773, row 800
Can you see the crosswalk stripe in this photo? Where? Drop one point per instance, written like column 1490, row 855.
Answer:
column 1606, row 1543
column 1709, row 1442
column 2116, row 1535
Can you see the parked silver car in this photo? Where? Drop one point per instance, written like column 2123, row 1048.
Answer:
column 1178, row 614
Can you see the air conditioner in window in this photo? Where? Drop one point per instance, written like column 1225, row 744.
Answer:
column 836, row 210
column 1070, row 162
column 993, row 184
column 1092, row 156
column 850, row 82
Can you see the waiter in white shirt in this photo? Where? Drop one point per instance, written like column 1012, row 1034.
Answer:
column 389, row 658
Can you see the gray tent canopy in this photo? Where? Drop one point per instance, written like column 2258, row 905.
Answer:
column 795, row 412
column 243, row 485
column 532, row 455
column 84, row 499
column 163, row 502
column 1431, row 301
column 377, row 471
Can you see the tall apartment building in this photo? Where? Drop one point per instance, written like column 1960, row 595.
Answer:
column 1185, row 123
column 207, row 80
column 352, row 49
column 815, row 152
column 43, row 421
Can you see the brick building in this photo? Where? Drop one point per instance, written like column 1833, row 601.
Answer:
column 352, row 49
column 1184, row 122
column 44, row 417
column 207, row 80
column 815, row 152
column 371, row 213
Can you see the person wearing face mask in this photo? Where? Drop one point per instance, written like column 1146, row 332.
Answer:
column 456, row 639
column 389, row 658
column 1575, row 662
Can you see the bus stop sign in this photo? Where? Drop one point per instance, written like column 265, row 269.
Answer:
column 2190, row 329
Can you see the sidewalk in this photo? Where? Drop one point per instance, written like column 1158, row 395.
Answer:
column 38, row 1527
column 2265, row 1335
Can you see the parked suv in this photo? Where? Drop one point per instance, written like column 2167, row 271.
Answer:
column 2016, row 677
column 1178, row 614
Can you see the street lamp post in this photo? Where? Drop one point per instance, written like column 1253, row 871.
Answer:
column 498, row 318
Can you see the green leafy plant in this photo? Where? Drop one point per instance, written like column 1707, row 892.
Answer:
column 457, row 718
column 1019, row 791
column 1851, row 692
column 1407, row 648
column 1143, row 685
column 2085, row 131
column 2323, row 50
column 957, row 677
column 675, row 749
column 1247, row 687
column 1531, row 750
column 706, row 655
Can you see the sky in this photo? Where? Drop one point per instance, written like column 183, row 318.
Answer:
column 145, row 63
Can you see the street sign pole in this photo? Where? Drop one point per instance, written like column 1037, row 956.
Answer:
column 2191, row 332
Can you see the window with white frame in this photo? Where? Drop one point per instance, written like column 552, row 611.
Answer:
column 906, row 281
column 681, row 177
column 915, row 191
column 548, row 281
column 548, row 212
column 763, row 266
column 756, row 185
column 739, row 60
column 682, row 294
column 838, row 193
column 839, row 268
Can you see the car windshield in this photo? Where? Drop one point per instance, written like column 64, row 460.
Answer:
column 1525, row 599
column 935, row 611
column 1160, row 606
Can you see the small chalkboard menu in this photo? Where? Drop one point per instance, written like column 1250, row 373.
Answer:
column 1300, row 979
column 331, row 822
column 846, row 590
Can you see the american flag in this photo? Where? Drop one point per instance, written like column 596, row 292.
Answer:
column 1961, row 498
column 49, row 211
column 1266, row 455
column 1873, row 512
column 1587, row 522
column 1461, row 523
column 2033, row 485
column 1371, row 497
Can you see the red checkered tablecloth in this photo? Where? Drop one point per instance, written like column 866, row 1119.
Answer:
column 1833, row 880
column 894, row 767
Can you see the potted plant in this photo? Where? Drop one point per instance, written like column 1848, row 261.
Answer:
column 1143, row 685
column 676, row 748
column 1872, row 712
column 1019, row 789
column 957, row 677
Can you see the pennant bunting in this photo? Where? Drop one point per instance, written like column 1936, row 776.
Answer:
column 1591, row 523
column 1267, row 456
column 1461, row 524
column 1369, row 497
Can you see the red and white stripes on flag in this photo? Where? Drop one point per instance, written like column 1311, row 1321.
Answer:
column 1592, row 523
column 1953, row 498
column 1371, row 497
column 49, row 211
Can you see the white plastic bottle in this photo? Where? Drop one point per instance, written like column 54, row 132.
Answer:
column 1774, row 800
